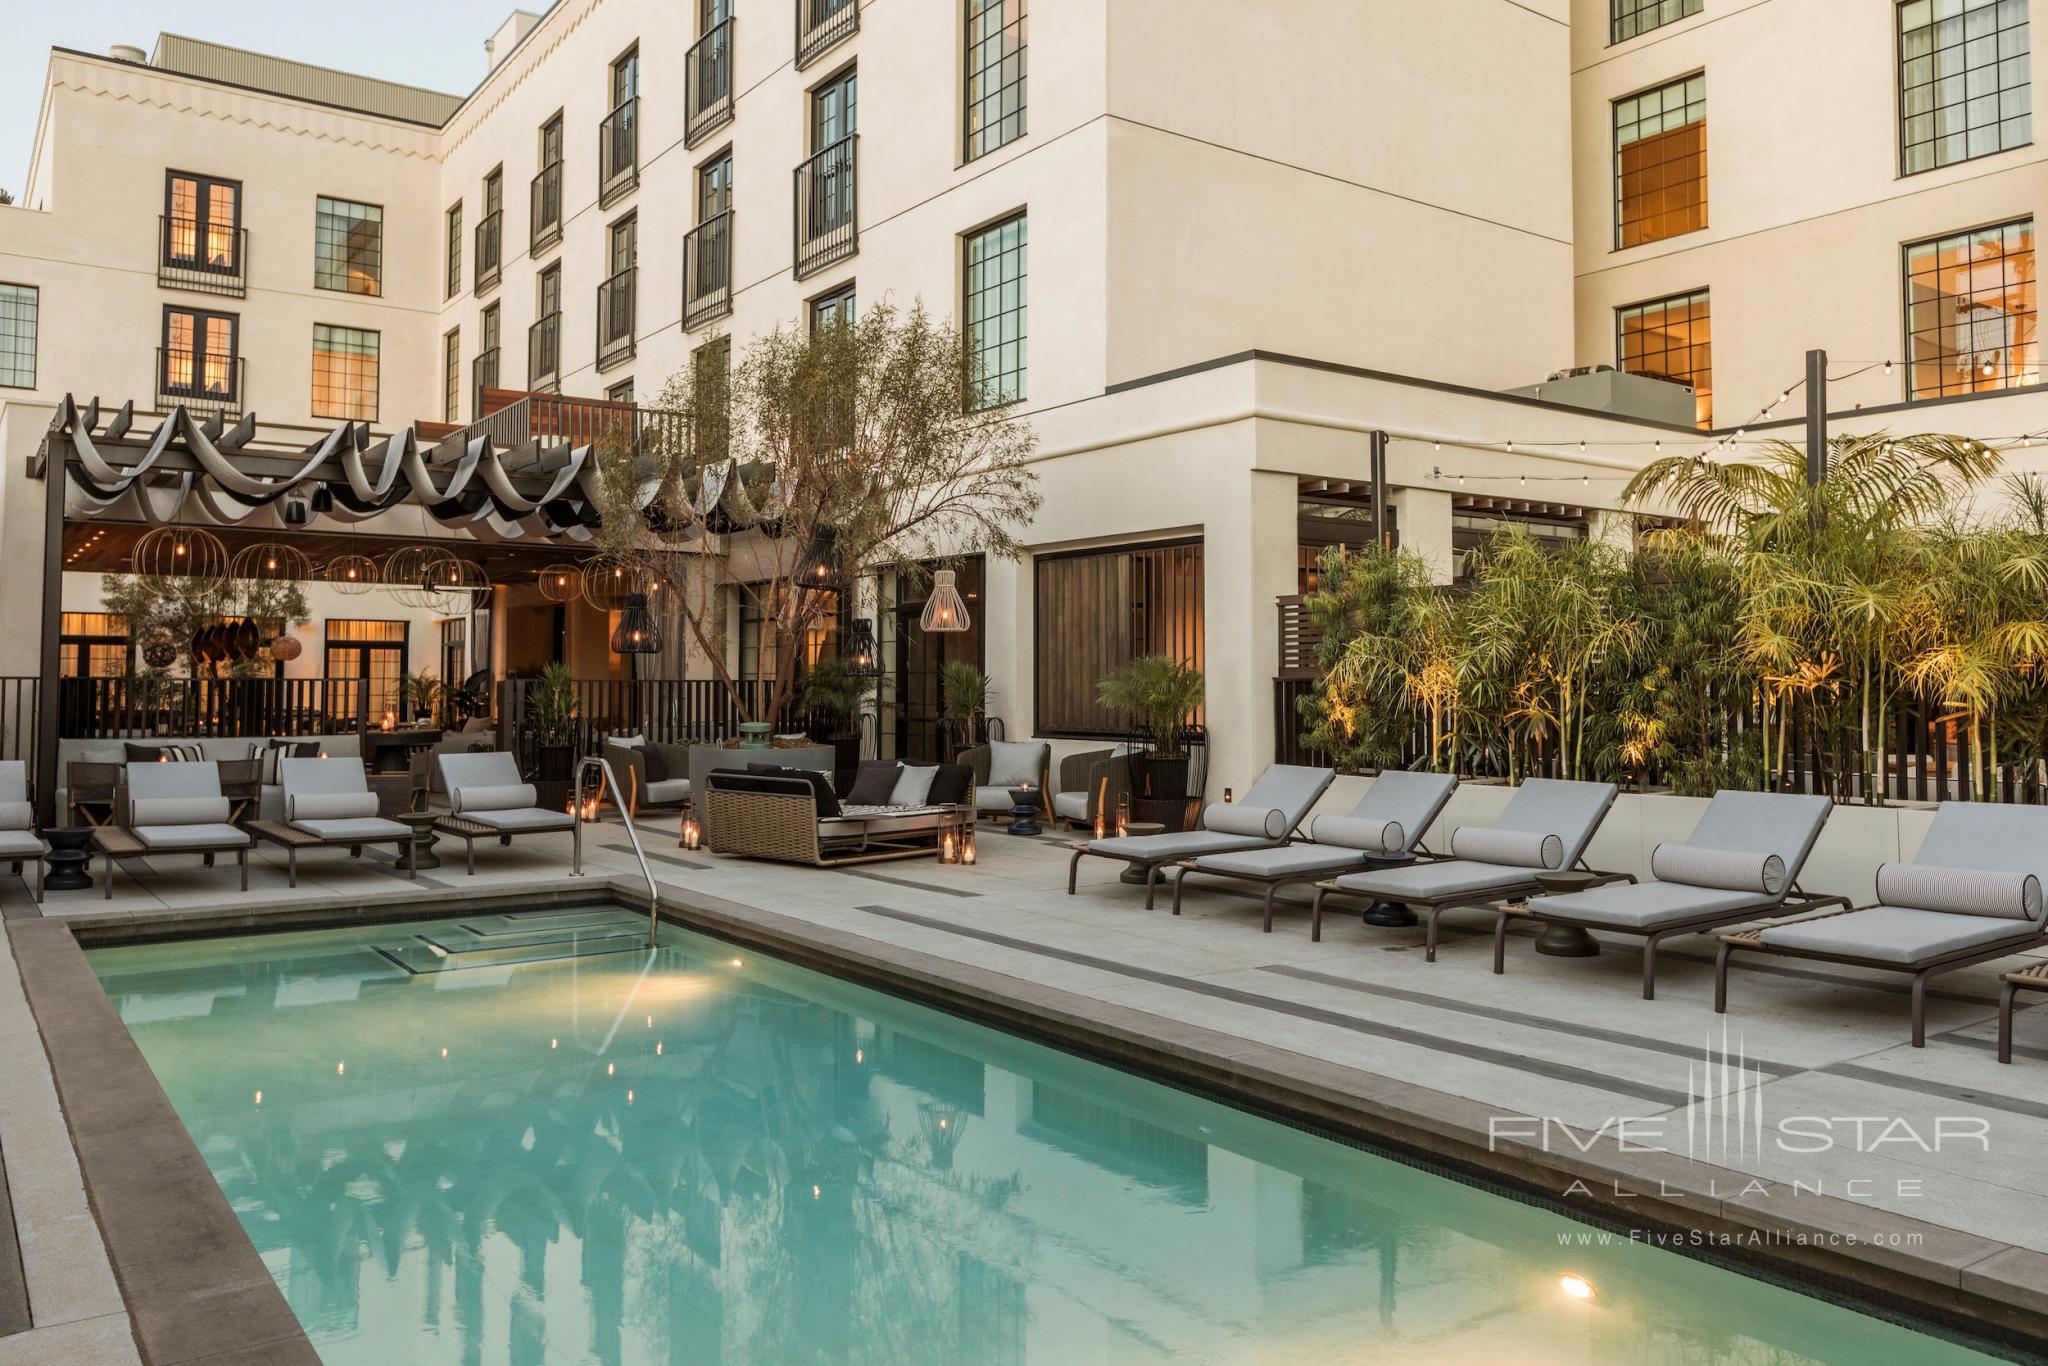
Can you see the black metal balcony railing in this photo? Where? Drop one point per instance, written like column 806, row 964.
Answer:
column 490, row 250
column 707, row 84
column 202, row 258
column 822, row 25
column 483, row 374
column 827, row 218
column 615, row 299
column 544, row 352
column 546, row 196
column 618, row 152
column 707, row 271
column 199, row 383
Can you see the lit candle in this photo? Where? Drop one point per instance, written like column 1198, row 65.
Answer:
column 693, row 836
column 948, row 851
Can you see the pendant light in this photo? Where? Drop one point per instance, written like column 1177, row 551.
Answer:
column 819, row 568
column 945, row 611
column 862, row 659
column 637, row 633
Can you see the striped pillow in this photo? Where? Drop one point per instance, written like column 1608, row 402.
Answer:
column 1510, row 848
column 1730, row 870
column 1960, row 891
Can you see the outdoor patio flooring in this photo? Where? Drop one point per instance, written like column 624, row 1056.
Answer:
column 1563, row 1038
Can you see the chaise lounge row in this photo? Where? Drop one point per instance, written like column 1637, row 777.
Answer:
column 1973, row 892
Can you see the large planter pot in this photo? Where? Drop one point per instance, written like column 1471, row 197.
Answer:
column 554, row 768
column 1159, row 791
column 708, row 759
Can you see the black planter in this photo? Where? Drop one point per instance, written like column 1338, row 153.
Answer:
column 1159, row 791
column 554, row 768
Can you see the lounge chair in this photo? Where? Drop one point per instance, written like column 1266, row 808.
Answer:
column 1091, row 783
column 486, row 797
column 1742, row 861
column 172, row 808
column 1544, row 827
column 328, row 804
column 1389, row 819
column 1974, row 892
column 1272, row 808
column 19, row 843
column 629, row 767
column 1001, row 766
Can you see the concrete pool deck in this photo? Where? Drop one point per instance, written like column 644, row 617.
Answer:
column 1923, row 1181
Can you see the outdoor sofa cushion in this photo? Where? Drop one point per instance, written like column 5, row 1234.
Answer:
column 1646, row 906
column 520, row 820
column 1763, row 823
column 1285, row 861
column 1369, row 835
column 174, row 779
column 18, row 843
column 913, row 787
column 205, row 836
column 1072, row 806
column 353, row 828
column 1175, row 845
column 1013, row 763
column 1897, row 934
column 873, row 781
column 1568, row 808
column 820, row 784
column 662, row 791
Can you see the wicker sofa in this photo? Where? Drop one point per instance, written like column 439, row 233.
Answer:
column 778, row 816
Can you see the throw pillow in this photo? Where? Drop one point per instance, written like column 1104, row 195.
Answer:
column 652, row 764
column 821, row 784
column 873, row 782
column 1013, row 763
column 146, row 754
column 950, row 783
column 913, row 786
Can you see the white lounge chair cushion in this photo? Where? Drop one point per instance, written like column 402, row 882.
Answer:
column 1731, row 870
column 19, row 843
column 1012, row 763
column 1960, row 891
column 1509, row 848
column 1649, row 905
column 328, row 806
column 664, row 790
column 354, row 828
column 1289, row 860
column 1175, row 845
column 17, row 815
column 1242, row 818
column 1071, row 806
column 1437, row 881
column 162, row 811
column 195, row 779
column 522, row 820
column 476, row 801
column 1351, row 832
column 207, row 836
column 1897, row 934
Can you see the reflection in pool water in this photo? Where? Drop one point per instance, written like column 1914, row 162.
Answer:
column 516, row 1139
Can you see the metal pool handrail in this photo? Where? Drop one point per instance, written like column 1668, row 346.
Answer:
column 607, row 779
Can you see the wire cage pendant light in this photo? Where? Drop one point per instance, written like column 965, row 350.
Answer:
column 609, row 581
column 945, row 611
column 862, row 658
column 819, row 569
column 352, row 575
column 179, row 552
column 270, row 562
column 637, row 632
column 559, row 582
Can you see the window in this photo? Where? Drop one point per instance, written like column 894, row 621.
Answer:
column 17, row 336
column 822, row 25
column 1963, row 81
column 625, row 78
column 995, row 73
column 92, row 645
column 484, row 369
column 622, row 392
column 199, row 355
column 202, row 221
column 622, row 244
column 714, row 187
column 365, row 649
column 544, row 338
column 348, row 246
column 454, row 652
column 454, row 250
column 1100, row 609
column 1970, row 315
column 487, row 331
column 345, row 372
column 548, row 292
column 712, row 13
column 1633, row 17
column 545, row 217
column 551, row 142
column 1671, row 339
column 1660, row 162
column 451, row 376
column 618, row 143
column 834, row 107
column 832, row 309
column 995, row 278
column 616, row 295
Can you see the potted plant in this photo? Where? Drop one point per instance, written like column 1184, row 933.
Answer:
column 836, row 691
column 1161, row 693
column 420, row 694
column 551, row 720
column 964, row 693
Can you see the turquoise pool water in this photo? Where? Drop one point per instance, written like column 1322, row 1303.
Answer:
column 525, row 1139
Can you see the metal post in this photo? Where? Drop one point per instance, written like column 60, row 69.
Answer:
column 1816, row 417
column 48, row 689
column 1379, row 491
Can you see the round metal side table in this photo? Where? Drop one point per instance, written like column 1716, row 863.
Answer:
column 1565, row 941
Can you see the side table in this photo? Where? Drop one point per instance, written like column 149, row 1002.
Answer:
column 68, row 865
column 1389, row 915
column 424, row 837
column 1565, row 941
column 1024, row 811
column 1132, row 873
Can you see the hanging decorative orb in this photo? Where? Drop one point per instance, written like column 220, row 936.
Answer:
column 458, row 586
column 945, row 611
column 351, row 574
column 159, row 651
column 560, row 582
column 270, row 562
column 608, row 581
column 286, row 648
column 405, row 574
column 180, row 552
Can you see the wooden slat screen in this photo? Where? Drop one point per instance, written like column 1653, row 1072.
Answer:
column 1101, row 609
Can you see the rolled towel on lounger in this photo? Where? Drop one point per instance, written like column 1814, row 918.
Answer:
column 1960, row 891
column 1732, row 870
column 510, row 797
column 1512, row 848
column 1368, row 836
column 178, row 810
column 1242, row 818
column 331, row 806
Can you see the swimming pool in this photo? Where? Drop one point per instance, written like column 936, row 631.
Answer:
column 525, row 1138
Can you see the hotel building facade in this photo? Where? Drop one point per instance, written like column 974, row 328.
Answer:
column 1211, row 249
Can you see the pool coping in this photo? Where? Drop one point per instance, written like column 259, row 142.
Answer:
column 1977, row 1286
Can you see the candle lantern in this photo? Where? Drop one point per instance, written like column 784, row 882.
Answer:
column 1226, row 795
column 693, row 834
column 1123, row 814
column 967, row 845
column 949, row 849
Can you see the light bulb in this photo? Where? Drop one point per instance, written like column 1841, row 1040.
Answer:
column 1576, row 1287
